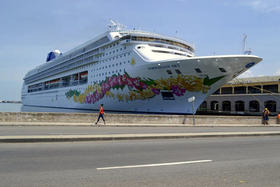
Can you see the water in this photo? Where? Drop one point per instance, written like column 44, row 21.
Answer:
column 16, row 107
column 10, row 107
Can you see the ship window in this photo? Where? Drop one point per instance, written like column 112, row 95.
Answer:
column 178, row 71
column 167, row 96
column 222, row 70
column 159, row 51
column 169, row 72
column 179, row 54
column 198, row 70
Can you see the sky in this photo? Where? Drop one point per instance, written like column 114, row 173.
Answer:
column 31, row 28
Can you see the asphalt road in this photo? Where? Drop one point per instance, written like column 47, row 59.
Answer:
column 241, row 161
column 86, row 130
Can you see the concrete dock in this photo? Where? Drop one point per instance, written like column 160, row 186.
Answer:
column 181, row 125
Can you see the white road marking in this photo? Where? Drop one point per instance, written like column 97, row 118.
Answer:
column 155, row 165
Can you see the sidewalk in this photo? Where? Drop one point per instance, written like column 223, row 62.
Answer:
column 26, row 133
column 130, row 124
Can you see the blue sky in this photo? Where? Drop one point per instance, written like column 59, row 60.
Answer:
column 31, row 28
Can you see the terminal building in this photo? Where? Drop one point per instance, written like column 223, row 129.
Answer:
column 247, row 96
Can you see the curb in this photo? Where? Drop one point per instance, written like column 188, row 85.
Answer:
column 131, row 125
column 112, row 137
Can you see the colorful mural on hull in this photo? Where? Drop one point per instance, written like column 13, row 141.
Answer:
column 139, row 88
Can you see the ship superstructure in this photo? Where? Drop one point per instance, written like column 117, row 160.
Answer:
column 130, row 70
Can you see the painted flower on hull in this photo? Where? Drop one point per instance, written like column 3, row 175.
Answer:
column 139, row 88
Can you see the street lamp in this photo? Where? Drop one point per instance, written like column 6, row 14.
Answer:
column 191, row 100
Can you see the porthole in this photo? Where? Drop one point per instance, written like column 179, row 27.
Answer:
column 198, row 70
column 222, row 70
column 178, row 71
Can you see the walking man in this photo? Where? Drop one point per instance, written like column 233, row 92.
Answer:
column 265, row 116
column 101, row 114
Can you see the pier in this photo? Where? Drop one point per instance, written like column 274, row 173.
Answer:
column 49, row 118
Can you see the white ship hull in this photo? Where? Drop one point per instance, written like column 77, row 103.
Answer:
column 147, row 87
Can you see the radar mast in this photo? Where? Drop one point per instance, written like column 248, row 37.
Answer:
column 115, row 26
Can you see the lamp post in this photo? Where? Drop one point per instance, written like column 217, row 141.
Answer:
column 191, row 100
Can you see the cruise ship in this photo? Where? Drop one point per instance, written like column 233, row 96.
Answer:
column 131, row 71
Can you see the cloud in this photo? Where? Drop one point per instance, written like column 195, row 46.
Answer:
column 266, row 6
column 277, row 72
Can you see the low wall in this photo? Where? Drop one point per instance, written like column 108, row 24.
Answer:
column 130, row 118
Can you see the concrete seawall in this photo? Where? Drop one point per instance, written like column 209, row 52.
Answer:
column 72, row 118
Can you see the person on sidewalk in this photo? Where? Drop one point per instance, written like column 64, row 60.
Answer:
column 278, row 118
column 101, row 115
column 265, row 116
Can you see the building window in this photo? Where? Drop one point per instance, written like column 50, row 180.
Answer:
column 214, row 106
column 203, row 106
column 226, row 106
column 239, row 106
column 270, row 105
column 240, row 90
column 270, row 88
column 226, row 90
column 254, row 89
column 254, row 106
column 217, row 92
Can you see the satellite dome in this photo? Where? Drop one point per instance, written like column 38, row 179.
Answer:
column 53, row 54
